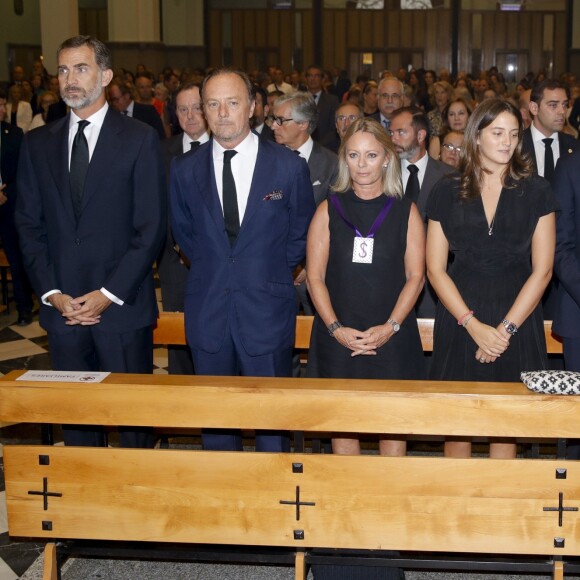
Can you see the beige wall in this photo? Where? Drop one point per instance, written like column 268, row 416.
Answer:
column 183, row 23
column 59, row 21
column 22, row 30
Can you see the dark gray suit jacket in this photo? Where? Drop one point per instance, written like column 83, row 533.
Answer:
column 426, row 304
column 435, row 171
column 325, row 132
column 323, row 166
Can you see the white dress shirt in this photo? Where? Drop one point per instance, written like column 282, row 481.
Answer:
column 306, row 148
column 540, row 148
column 421, row 166
column 186, row 146
column 243, row 165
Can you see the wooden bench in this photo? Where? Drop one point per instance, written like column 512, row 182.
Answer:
column 302, row 503
column 170, row 330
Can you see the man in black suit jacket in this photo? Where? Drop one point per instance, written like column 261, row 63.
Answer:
column 409, row 130
column 10, row 142
column 567, row 262
column 567, row 267
column 171, row 264
column 122, row 100
column 91, row 214
column 326, row 104
column 548, row 108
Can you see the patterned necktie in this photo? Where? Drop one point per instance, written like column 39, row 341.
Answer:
column 548, row 159
column 386, row 124
column 412, row 190
column 79, row 163
column 230, row 198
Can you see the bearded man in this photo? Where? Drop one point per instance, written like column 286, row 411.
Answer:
column 91, row 219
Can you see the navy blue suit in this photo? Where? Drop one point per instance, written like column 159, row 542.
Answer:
column 567, row 262
column 241, row 298
column 113, row 244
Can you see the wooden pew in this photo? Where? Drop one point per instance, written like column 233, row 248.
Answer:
column 300, row 502
column 170, row 330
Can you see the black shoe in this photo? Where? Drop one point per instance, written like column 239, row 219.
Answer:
column 24, row 318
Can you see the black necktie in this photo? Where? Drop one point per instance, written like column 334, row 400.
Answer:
column 79, row 163
column 413, row 188
column 548, row 159
column 193, row 145
column 230, row 198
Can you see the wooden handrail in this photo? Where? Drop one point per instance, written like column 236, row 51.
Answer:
column 170, row 330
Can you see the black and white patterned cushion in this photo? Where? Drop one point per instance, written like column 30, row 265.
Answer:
column 552, row 382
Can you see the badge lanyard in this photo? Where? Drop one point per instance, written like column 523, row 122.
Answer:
column 362, row 252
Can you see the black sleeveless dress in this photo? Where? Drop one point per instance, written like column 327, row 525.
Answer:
column 489, row 271
column 363, row 295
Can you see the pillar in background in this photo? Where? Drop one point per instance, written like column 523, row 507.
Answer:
column 183, row 23
column 134, row 21
column 59, row 20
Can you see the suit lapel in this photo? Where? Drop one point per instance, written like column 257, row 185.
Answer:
column 57, row 151
column 204, row 175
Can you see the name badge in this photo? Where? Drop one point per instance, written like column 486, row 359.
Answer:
column 362, row 252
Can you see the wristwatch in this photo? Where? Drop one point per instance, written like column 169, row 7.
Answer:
column 396, row 326
column 332, row 327
column 510, row 327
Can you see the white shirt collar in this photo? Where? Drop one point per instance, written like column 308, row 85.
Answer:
column 246, row 147
column 95, row 119
column 306, row 148
column 537, row 135
column 186, row 141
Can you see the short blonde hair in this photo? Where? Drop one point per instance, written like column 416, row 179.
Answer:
column 392, row 183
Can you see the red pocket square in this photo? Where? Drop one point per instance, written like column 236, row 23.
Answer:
column 274, row 195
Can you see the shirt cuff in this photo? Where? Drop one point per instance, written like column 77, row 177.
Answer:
column 112, row 297
column 44, row 297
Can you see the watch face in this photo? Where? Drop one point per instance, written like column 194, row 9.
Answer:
column 396, row 326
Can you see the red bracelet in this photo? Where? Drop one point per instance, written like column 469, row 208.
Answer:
column 460, row 320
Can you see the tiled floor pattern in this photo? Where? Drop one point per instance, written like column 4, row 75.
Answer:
column 26, row 348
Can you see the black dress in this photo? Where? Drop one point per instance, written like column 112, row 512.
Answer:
column 489, row 271
column 363, row 295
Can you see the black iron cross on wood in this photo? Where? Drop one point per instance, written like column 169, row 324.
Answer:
column 560, row 509
column 297, row 503
column 45, row 493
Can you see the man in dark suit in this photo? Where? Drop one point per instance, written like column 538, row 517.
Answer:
column 326, row 104
column 10, row 142
column 567, row 266
column 548, row 107
column 409, row 130
column 240, row 210
column 91, row 214
column 390, row 98
column 294, row 122
column 121, row 99
column 546, row 144
column 567, row 262
column 171, row 264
